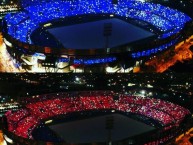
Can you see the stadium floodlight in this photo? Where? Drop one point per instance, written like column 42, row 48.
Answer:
column 143, row 92
column 48, row 25
column 77, row 79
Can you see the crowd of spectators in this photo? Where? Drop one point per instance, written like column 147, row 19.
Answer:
column 35, row 13
column 21, row 24
column 45, row 107
column 164, row 18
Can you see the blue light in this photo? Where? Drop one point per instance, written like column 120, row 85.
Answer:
column 94, row 61
column 153, row 50
column 78, row 61
column 63, row 60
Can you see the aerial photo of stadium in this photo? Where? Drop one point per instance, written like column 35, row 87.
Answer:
column 53, row 117
column 64, row 109
column 90, row 36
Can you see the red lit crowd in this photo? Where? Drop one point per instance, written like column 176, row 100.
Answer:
column 44, row 107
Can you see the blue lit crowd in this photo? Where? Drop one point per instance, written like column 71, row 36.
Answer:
column 167, row 20
column 43, row 107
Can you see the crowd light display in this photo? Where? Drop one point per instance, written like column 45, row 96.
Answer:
column 35, row 13
column 167, row 20
column 35, row 111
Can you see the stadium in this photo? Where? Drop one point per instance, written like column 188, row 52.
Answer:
column 94, row 109
column 94, row 117
column 90, row 36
